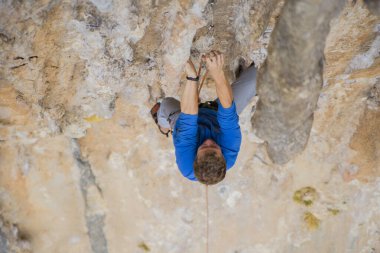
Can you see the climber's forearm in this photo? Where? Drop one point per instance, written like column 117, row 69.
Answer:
column 223, row 90
column 189, row 101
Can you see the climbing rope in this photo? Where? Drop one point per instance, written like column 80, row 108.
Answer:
column 202, row 81
column 203, row 78
column 207, row 234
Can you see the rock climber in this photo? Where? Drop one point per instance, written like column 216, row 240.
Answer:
column 207, row 136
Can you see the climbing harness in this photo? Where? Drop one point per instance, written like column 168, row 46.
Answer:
column 213, row 105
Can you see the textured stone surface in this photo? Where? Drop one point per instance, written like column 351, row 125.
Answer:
column 291, row 79
column 10, row 239
column 84, row 169
column 373, row 6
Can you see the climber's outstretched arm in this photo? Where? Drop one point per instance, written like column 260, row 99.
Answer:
column 215, row 62
column 189, row 100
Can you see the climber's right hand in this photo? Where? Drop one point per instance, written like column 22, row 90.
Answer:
column 214, row 63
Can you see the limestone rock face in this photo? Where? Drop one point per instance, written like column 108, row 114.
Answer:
column 10, row 240
column 83, row 167
column 292, row 77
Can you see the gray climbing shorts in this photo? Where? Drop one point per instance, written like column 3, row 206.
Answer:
column 243, row 89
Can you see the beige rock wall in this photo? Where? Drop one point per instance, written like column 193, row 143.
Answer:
column 84, row 169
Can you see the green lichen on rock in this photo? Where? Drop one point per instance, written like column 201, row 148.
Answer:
column 305, row 196
column 333, row 211
column 312, row 222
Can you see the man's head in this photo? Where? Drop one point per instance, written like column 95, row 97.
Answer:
column 209, row 165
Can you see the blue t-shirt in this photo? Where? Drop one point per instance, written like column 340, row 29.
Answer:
column 191, row 131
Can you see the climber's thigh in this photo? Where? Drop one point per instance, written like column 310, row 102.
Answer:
column 169, row 112
column 244, row 88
